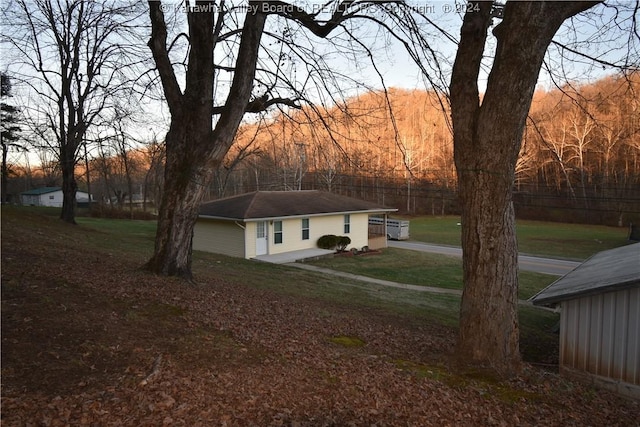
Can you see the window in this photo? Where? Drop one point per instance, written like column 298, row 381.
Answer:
column 347, row 224
column 277, row 232
column 261, row 230
column 305, row 228
column 51, row 197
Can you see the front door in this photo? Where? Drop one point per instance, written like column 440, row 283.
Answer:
column 262, row 238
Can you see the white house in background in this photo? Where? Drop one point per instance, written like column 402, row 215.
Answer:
column 49, row 196
column 600, row 319
column 266, row 223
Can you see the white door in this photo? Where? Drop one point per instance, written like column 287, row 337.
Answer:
column 262, row 238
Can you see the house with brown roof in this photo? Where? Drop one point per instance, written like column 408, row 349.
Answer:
column 599, row 304
column 264, row 224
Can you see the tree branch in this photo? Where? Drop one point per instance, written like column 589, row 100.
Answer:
column 158, row 45
column 308, row 20
column 261, row 104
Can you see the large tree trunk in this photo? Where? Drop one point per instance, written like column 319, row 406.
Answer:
column 4, row 173
column 187, row 175
column 487, row 139
column 69, row 188
column 193, row 148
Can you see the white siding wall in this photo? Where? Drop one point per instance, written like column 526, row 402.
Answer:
column 318, row 226
column 359, row 231
column 600, row 335
column 30, row 200
column 53, row 199
column 220, row 237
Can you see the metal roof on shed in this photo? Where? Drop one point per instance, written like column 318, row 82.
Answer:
column 605, row 271
column 279, row 204
column 41, row 190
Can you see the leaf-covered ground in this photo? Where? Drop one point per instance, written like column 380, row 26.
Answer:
column 90, row 339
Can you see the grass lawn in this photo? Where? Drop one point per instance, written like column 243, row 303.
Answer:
column 423, row 269
column 559, row 240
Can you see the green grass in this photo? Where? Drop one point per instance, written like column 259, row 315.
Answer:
column 551, row 239
column 423, row 269
column 134, row 236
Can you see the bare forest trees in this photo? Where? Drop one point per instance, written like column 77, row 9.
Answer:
column 72, row 55
column 586, row 139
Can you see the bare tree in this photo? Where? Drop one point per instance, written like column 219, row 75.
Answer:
column 487, row 139
column 74, row 52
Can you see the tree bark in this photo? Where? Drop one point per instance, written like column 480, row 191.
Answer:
column 193, row 148
column 69, row 188
column 487, row 139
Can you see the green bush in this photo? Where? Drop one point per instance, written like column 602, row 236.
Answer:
column 343, row 242
column 328, row 241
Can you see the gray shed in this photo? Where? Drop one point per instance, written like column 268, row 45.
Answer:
column 600, row 319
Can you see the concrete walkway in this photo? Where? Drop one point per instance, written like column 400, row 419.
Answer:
column 293, row 256
column 380, row 282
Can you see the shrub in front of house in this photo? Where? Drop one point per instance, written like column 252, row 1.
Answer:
column 328, row 241
column 331, row 241
column 343, row 242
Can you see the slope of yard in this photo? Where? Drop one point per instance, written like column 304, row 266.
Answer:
column 88, row 338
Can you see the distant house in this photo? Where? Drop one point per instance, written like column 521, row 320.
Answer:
column 600, row 319
column 49, row 196
column 276, row 222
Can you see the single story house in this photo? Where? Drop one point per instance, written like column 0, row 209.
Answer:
column 49, row 196
column 276, row 222
column 600, row 319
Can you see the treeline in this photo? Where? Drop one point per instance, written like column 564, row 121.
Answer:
column 580, row 157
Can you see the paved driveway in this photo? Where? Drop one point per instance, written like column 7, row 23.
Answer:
column 556, row 267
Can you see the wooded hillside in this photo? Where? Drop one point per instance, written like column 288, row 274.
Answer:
column 580, row 158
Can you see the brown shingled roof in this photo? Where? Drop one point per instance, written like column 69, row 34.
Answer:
column 277, row 204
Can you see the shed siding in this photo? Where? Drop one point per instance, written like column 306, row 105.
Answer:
column 220, row 237
column 600, row 334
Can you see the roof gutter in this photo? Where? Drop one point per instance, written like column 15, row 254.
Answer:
column 311, row 215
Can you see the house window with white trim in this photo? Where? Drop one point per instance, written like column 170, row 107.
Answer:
column 347, row 224
column 305, row 228
column 277, row 232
